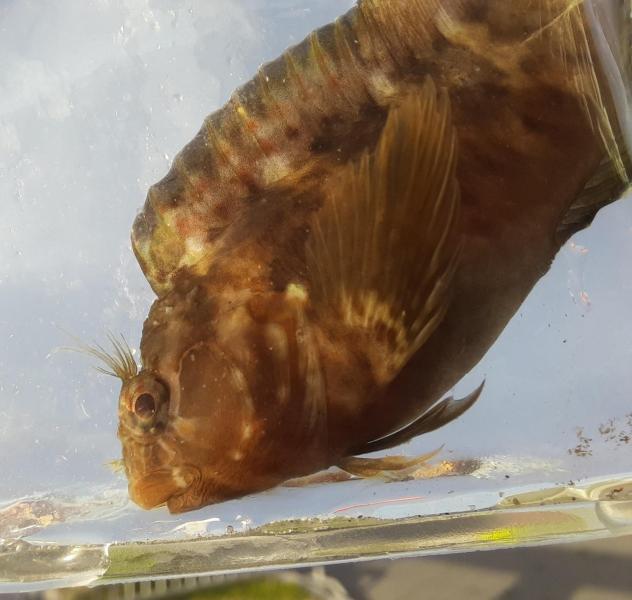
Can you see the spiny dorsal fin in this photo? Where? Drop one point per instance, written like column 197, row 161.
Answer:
column 384, row 248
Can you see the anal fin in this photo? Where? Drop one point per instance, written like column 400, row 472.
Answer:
column 386, row 467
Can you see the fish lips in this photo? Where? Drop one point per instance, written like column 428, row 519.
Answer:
column 163, row 486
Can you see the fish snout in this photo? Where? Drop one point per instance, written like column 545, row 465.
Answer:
column 162, row 486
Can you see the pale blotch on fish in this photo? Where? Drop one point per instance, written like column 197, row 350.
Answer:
column 246, row 432
column 349, row 235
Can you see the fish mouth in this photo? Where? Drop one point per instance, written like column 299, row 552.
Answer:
column 162, row 485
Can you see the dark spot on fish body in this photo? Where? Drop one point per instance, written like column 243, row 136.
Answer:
column 554, row 98
column 320, row 145
column 332, row 129
column 167, row 192
column 291, row 132
column 546, row 111
column 532, row 64
column 518, row 33
column 198, row 156
column 476, row 11
column 481, row 102
column 495, row 91
column 214, row 233
column 264, row 373
column 349, row 138
column 439, row 44
column 289, row 263
column 331, row 123
column 489, row 159
column 222, row 213
column 288, row 234
column 385, row 333
column 463, row 72
column 192, row 296
column 250, row 182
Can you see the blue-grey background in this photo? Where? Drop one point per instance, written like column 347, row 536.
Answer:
column 96, row 97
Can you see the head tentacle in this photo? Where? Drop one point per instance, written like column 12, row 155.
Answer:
column 119, row 362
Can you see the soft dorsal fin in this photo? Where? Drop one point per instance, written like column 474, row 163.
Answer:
column 384, row 247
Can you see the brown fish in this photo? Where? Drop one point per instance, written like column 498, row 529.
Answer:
column 348, row 236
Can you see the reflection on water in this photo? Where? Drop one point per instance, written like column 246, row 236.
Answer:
column 84, row 135
column 530, row 516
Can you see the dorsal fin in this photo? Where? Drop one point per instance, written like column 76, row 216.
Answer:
column 384, row 247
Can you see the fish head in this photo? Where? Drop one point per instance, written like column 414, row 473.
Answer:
column 209, row 416
column 151, row 456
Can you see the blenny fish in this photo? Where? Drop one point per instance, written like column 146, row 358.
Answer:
column 351, row 232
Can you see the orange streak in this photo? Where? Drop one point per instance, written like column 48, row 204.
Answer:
column 379, row 503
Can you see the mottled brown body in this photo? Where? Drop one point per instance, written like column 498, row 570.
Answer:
column 274, row 368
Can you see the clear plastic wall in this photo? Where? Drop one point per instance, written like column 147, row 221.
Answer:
column 95, row 100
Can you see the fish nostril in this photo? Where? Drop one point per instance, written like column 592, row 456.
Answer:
column 145, row 406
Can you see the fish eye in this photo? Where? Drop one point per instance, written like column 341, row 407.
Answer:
column 145, row 406
column 146, row 399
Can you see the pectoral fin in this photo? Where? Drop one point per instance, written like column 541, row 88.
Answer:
column 384, row 247
column 440, row 414
column 400, row 467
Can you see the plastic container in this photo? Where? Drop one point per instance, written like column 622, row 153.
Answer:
column 95, row 100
